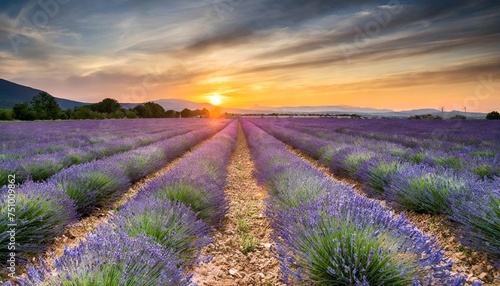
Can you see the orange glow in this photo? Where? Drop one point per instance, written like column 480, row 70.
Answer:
column 215, row 99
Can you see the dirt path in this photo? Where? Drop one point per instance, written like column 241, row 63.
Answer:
column 473, row 264
column 246, row 230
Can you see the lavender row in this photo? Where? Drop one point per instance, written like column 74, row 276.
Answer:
column 81, row 188
column 168, row 216
column 413, row 133
column 419, row 187
column 328, row 235
column 482, row 160
column 41, row 167
column 86, row 131
column 78, row 138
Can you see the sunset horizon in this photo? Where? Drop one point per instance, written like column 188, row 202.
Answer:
column 397, row 55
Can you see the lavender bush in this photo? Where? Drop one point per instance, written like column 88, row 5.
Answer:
column 91, row 184
column 427, row 189
column 478, row 213
column 345, row 239
column 112, row 258
column 171, row 224
column 376, row 173
column 41, row 214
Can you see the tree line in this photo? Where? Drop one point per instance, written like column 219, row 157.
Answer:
column 43, row 106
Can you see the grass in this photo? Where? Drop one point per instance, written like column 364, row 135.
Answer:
column 248, row 244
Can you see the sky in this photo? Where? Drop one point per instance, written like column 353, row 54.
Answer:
column 392, row 54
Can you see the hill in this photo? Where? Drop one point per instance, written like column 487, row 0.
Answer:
column 12, row 93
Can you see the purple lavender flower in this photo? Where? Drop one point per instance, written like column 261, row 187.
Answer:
column 91, row 184
column 41, row 213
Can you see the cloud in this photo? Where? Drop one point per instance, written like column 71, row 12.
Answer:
column 99, row 45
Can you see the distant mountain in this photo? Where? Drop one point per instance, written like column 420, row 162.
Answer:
column 365, row 111
column 322, row 109
column 12, row 93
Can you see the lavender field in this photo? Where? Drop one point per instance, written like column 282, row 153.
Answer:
column 332, row 208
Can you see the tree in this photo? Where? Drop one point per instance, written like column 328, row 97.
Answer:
column 155, row 109
column 205, row 112
column 23, row 111
column 6, row 114
column 185, row 113
column 494, row 115
column 142, row 111
column 107, row 105
column 45, row 106
column 131, row 114
column 171, row 114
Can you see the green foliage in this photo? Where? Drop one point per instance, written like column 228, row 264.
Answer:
column 417, row 158
column 172, row 114
column 485, row 170
column 380, row 174
column 107, row 105
column 248, row 244
column 354, row 160
column 23, row 111
column 167, row 228
column 189, row 195
column 89, row 189
column 450, row 162
column 483, row 153
column 340, row 253
column 40, row 214
column 149, row 110
column 45, row 107
column 494, row 115
column 185, row 113
column 42, row 170
column 428, row 193
column 6, row 114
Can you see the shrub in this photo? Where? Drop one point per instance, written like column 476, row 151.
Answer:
column 91, row 184
column 114, row 259
column 41, row 214
column 494, row 115
column 138, row 164
column 426, row 189
column 189, row 195
column 478, row 213
column 347, row 162
column 377, row 173
column 42, row 166
column 171, row 224
column 345, row 239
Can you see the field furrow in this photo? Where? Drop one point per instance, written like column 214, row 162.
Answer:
column 242, row 252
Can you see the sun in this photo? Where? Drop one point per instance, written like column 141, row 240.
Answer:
column 215, row 99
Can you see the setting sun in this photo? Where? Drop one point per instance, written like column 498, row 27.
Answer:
column 215, row 99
